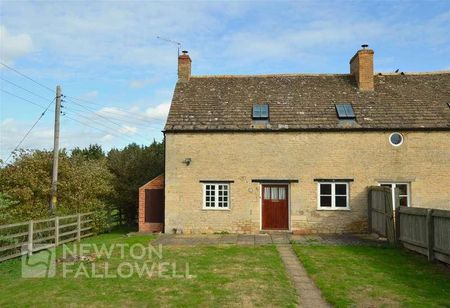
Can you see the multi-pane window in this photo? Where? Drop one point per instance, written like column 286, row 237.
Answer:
column 216, row 196
column 333, row 195
column 403, row 189
column 274, row 193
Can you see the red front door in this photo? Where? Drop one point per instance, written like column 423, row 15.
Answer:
column 275, row 211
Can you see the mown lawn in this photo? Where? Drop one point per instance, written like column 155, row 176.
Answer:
column 229, row 276
column 368, row 276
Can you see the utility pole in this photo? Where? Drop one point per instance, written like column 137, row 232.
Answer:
column 53, row 197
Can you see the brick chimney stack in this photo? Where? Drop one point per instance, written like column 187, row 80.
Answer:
column 361, row 66
column 184, row 66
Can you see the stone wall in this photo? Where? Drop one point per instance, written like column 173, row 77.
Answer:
column 366, row 157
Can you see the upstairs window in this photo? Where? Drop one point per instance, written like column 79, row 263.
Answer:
column 260, row 112
column 345, row 111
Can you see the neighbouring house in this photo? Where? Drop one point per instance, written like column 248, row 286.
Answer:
column 296, row 152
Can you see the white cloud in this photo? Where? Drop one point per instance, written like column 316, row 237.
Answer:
column 159, row 112
column 129, row 130
column 107, row 137
column 13, row 46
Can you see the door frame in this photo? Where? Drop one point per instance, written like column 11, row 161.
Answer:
column 288, row 185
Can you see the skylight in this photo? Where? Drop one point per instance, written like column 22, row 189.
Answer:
column 260, row 112
column 345, row 111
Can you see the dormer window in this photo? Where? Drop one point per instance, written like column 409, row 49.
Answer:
column 260, row 112
column 345, row 112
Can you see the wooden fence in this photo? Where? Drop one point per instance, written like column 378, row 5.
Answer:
column 424, row 230
column 27, row 237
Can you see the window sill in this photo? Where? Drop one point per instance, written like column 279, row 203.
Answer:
column 215, row 209
column 334, row 209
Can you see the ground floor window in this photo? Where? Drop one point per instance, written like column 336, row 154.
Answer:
column 216, row 196
column 404, row 193
column 333, row 195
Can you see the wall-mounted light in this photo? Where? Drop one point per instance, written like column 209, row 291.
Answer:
column 187, row 161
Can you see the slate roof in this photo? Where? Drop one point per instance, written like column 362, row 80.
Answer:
column 307, row 102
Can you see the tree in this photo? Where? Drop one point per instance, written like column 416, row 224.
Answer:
column 94, row 151
column 84, row 184
column 132, row 167
column 6, row 208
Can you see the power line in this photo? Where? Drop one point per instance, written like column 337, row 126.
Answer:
column 125, row 121
column 96, row 122
column 100, row 130
column 24, row 99
column 105, row 118
column 33, row 103
column 20, row 87
column 29, row 78
column 128, row 113
column 29, row 131
column 51, row 90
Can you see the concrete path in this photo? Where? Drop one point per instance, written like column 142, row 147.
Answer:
column 221, row 239
column 309, row 294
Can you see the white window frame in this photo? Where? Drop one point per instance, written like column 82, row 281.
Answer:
column 333, row 197
column 396, row 145
column 393, row 186
column 216, row 195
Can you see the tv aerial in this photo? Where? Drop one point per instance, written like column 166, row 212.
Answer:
column 171, row 41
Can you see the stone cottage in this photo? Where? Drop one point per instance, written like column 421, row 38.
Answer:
column 296, row 152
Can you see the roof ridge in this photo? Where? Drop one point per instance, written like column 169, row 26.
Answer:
column 440, row 72
column 266, row 75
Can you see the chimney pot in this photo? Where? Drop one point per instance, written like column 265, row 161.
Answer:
column 184, row 66
column 361, row 67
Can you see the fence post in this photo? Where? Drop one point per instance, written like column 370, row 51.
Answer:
column 430, row 234
column 56, row 231
column 397, row 225
column 389, row 217
column 369, row 214
column 78, row 227
column 395, row 213
column 30, row 238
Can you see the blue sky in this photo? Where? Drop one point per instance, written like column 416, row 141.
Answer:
column 107, row 59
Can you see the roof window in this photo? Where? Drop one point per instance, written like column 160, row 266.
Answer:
column 345, row 111
column 260, row 112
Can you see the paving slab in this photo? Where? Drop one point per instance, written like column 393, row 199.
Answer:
column 263, row 239
column 228, row 239
column 246, row 239
column 282, row 238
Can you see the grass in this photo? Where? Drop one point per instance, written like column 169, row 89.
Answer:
column 368, row 276
column 225, row 276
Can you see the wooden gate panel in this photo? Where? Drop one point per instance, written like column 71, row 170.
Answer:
column 380, row 212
